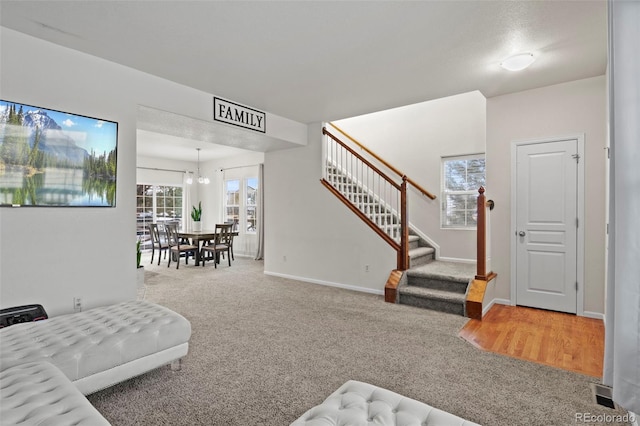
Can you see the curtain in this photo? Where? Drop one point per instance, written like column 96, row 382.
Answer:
column 622, row 332
column 186, row 202
column 260, row 213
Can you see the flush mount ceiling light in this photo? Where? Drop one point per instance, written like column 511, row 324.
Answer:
column 518, row 62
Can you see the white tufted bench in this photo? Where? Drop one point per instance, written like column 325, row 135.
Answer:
column 358, row 403
column 37, row 393
column 100, row 347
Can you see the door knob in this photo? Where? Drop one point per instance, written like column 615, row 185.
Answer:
column 522, row 233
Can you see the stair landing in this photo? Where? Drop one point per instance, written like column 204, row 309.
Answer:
column 453, row 271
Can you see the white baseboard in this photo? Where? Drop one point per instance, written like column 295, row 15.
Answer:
column 327, row 283
column 493, row 302
column 596, row 315
column 457, row 260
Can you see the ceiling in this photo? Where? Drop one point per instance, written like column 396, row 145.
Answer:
column 316, row 61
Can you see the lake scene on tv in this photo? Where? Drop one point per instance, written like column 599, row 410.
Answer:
column 53, row 158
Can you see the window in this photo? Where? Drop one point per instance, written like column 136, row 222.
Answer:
column 156, row 204
column 232, row 200
column 252, row 193
column 461, row 178
column 241, row 202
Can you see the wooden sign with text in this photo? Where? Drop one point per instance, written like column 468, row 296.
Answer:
column 239, row 115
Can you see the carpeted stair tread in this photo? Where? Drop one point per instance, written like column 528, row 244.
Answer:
column 421, row 251
column 420, row 256
column 433, row 293
column 449, row 271
column 436, row 300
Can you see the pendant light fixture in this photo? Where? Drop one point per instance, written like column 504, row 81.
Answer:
column 201, row 179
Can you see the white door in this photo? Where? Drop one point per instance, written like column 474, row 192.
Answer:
column 546, row 225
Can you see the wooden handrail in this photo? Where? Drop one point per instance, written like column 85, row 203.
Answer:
column 402, row 248
column 389, row 166
column 361, row 158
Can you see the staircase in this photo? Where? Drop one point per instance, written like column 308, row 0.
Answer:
column 439, row 286
column 428, row 283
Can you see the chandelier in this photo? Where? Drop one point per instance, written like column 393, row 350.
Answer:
column 201, row 179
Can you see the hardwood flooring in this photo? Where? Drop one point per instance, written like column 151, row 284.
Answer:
column 552, row 338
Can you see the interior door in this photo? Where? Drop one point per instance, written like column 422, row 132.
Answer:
column 546, row 225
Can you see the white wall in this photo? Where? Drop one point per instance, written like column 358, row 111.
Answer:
column 320, row 238
column 50, row 255
column 413, row 139
column 559, row 110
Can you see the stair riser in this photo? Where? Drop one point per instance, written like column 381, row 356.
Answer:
column 432, row 304
column 438, row 284
column 420, row 260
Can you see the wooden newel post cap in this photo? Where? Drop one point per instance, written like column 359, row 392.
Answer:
column 481, row 190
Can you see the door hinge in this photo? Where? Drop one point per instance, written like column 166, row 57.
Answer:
column 577, row 224
column 576, row 157
column 576, row 285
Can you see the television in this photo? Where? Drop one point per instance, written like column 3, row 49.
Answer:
column 51, row 158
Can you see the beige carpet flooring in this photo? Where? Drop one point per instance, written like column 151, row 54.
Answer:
column 265, row 349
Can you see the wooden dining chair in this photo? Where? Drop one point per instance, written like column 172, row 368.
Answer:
column 157, row 242
column 177, row 247
column 234, row 228
column 220, row 244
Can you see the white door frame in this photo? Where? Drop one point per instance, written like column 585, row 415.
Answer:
column 580, row 212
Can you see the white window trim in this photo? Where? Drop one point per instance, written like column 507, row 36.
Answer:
column 444, row 158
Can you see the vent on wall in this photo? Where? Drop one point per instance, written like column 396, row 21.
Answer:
column 603, row 395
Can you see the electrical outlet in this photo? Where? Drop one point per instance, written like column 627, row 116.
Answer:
column 77, row 304
column 366, row 268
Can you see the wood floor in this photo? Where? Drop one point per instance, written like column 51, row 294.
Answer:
column 560, row 340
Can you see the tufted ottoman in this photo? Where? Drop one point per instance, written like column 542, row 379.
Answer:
column 37, row 393
column 357, row 403
column 100, row 347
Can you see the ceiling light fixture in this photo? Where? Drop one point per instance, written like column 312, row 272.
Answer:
column 518, row 62
column 201, row 179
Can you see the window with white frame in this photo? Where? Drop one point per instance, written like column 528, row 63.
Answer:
column 156, row 204
column 232, row 200
column 251, row 186
column 241, row 203
column 462, row 176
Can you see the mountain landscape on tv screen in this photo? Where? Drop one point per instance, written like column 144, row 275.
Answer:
column 42, row 162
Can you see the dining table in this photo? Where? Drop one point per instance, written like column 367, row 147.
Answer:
column 198, row 236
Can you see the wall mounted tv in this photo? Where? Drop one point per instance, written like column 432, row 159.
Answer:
column 51, row 158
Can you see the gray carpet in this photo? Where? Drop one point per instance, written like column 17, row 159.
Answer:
column 265, row 349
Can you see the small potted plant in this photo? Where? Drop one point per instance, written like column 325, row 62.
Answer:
column 196, row 215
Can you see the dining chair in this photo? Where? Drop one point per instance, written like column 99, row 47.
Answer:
column 157, row 242
column 177, row 247
column 234, row 228
column 221, row 243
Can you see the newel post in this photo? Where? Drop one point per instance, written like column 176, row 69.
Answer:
column 403, row 254
column 481, row 271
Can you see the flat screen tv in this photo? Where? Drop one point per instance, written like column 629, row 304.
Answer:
column 51, row 158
